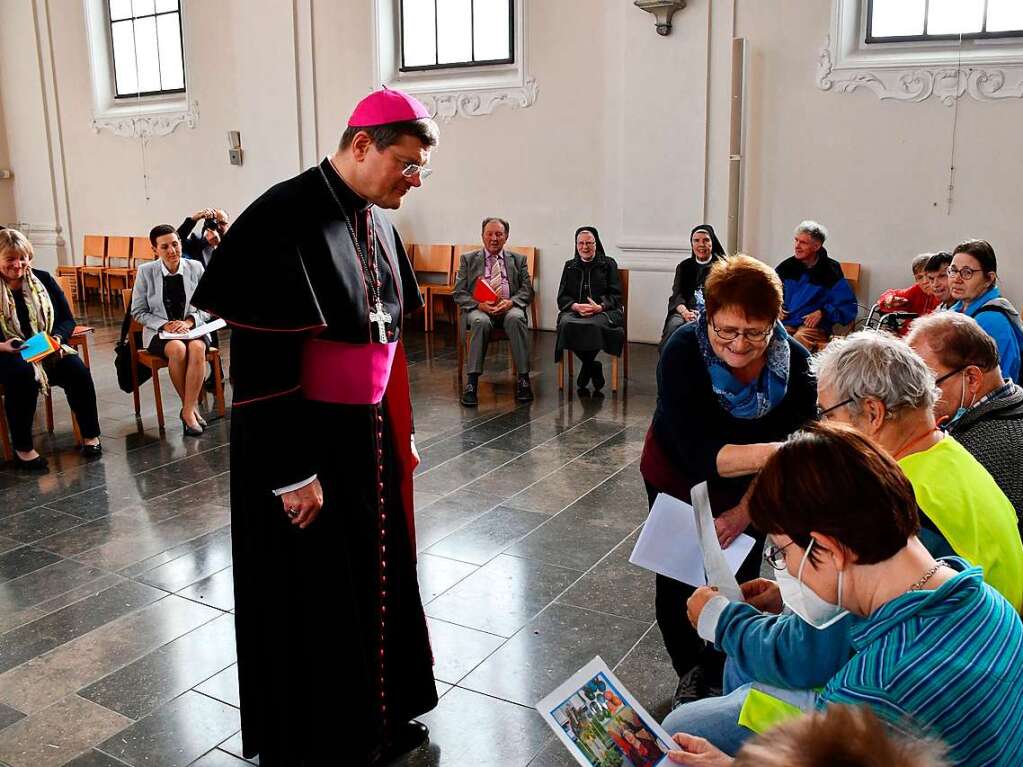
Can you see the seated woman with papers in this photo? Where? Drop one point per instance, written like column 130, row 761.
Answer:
column 730, row 387
column 936, row 649
column 161, row 302
column 35, row 321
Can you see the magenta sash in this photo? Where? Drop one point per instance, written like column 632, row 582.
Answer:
column 346, row 374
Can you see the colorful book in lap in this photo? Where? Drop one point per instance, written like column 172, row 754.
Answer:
column 38, row 347
column 483, row 292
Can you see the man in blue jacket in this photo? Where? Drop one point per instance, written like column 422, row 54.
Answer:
column 817, row 296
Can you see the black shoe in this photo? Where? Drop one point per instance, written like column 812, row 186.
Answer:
column 693, row 685
column 523, row 390
column 37, row 464
column 597, row 375
column 583, row 379
column 92, row 451
column 403, row 739
column 189, row 431
column 469, row 396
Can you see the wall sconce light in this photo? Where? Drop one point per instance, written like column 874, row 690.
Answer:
column 662, row 10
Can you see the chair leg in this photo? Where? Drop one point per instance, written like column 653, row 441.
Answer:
column 159, row 400
column 561, row 375
column 614, row 374
column 571, row 370
column 5, row 434
column 77, row 431
column 49, row 411
column 218, row 388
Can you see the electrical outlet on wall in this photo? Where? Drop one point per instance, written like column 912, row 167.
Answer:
column 5, row 173
column 235, row 155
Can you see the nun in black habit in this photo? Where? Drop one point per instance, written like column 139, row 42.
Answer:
column 591, row 309
column 686, row 300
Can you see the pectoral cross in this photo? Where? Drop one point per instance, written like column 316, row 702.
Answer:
column 381, row 318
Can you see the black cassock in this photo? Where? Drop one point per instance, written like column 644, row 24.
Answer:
column 332, row 640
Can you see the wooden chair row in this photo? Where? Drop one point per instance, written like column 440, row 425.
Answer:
column 109, row 263
column 155, row 364
column 436, row 267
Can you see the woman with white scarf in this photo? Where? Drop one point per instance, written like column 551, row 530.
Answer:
column 31, row 302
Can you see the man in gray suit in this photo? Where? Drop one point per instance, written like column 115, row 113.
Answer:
column 508, row 275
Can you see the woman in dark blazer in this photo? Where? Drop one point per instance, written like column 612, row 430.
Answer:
column 730, row 387
column 31, row 302
column 162, row 301
column 590, row 302
column 686, row 300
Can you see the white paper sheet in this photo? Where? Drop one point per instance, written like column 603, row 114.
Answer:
column 194, row 333
column 670, row 545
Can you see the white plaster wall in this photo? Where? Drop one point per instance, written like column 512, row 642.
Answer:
column 7, row 209
column 240, row 68
column 876, row 173
column 629, row 133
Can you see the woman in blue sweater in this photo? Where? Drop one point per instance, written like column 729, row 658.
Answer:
column 973, row 282
column 937, row 652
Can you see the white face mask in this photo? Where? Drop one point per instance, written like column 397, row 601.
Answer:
column 805, row 602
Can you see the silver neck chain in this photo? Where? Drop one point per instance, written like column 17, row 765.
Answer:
column 927, row 576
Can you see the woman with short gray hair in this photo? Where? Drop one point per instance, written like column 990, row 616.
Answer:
column 877, row 384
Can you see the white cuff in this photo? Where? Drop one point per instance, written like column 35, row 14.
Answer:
column 296, row 486
column 707, row 624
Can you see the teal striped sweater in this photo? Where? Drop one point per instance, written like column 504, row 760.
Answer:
column 947, row 663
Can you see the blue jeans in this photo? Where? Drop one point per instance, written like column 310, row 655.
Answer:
column 715, row 719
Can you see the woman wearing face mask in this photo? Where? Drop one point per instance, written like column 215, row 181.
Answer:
column 590, row 302
column 973, row 283
column 687, row 291
column 937, row 649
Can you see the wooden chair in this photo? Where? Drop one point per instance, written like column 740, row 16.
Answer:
column 141, row 251
column 852, row 275
column 94, row 249
column 5, row 430
column 71, row 273
column 530, row 253
column 80, row 337
column 623, row 275
column 437, row 263
column 154, row 363
column 119, row 266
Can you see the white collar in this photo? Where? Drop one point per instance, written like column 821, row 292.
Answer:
column 163, row 268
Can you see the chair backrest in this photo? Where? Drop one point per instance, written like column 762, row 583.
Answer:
column 126, row 299
column 118, row 252
column 141, row 250
column 623, row 276
column 67, row 287
column 95, row 248
column 530, row 253
column 436, row 262
column 851, row 271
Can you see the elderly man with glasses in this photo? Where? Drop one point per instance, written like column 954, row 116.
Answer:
column 879, row 386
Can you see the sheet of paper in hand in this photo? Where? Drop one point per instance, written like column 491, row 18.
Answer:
column 197, row 332
column 483, row 292
column 672, row 544
column 600, row 722
column 38, row 347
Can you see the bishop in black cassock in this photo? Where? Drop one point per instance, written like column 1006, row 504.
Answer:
column 334, row 658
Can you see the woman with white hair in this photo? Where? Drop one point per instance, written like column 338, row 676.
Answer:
column 881, row 387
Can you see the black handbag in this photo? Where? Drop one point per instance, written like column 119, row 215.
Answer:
column 123, row 360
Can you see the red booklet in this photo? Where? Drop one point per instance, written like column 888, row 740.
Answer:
column 483, row 292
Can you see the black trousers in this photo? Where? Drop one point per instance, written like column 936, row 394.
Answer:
column 21, row 394
column 685, row 647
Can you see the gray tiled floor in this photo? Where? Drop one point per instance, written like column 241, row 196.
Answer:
column 116, row 644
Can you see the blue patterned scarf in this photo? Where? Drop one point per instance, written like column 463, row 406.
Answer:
column 757, row 398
